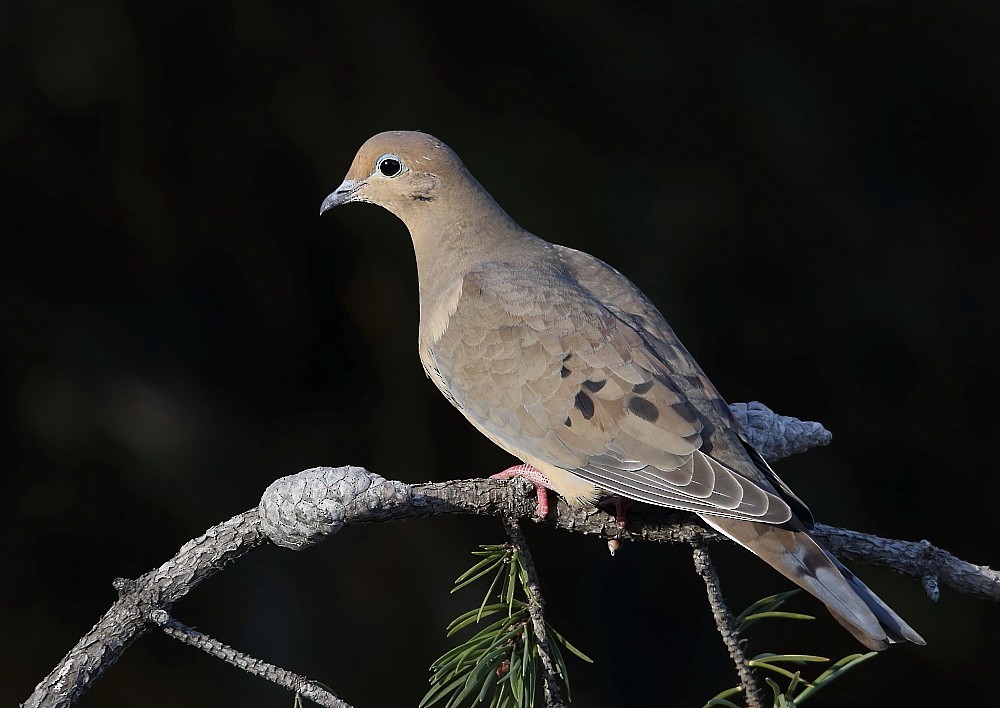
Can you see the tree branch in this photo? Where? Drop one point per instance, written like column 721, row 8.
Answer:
column 536, row 610
column 129, row 618
column 286, row 679
column 931, row 565
column 726, row 625
column 300, row 525
column 302, row 509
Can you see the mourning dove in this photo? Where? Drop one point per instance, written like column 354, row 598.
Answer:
column 561, row 361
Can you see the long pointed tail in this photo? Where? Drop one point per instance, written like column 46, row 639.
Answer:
column 797, row 556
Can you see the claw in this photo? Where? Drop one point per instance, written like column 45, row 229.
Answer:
column 538, row 480
column 621, row 505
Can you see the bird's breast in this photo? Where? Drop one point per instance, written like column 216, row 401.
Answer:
column 436, row 310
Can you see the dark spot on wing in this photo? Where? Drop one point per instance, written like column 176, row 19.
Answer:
column 643, row 387
column 707, row 435
column 568, row 423
column 585, row 405
column 695, row 381
column 644, row 409
column 567, row 357
column 594, row 386
column 564, row 372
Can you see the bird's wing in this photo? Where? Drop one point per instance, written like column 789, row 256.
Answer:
column 538, row 362
column 725, row 439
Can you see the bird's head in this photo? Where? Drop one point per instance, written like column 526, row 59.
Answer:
column 401, row 171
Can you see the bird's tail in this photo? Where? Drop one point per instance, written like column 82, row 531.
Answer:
column 797, row 556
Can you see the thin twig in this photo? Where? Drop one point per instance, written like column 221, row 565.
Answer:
column 726, row 625
column 536, row 610
column 931, row 565
column 284, row 678
column 129, row 618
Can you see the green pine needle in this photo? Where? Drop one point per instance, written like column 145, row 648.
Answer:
column 499, row 665
column 798, row 689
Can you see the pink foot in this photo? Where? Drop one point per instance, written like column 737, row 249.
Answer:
column 621, row 510
column 621, row 505
column 538, row 480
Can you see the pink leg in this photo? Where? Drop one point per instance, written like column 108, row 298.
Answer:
column 621, row 505
column 621, row 510
column 537, row 479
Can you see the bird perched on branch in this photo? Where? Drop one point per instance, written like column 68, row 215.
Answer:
column 561, row 361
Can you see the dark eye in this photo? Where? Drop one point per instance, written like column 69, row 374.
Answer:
column 389, row 166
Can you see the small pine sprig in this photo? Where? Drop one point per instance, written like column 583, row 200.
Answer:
column 798, row 689
column 499, row 665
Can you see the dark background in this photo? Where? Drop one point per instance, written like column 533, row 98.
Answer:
column 809, row 193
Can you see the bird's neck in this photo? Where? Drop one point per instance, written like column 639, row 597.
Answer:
column 451, row 242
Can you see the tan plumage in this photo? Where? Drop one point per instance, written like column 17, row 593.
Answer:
column 561, row 361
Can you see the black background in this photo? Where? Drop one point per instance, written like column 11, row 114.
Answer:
column 808, row 192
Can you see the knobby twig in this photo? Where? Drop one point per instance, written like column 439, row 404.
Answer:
column 922, row 560
column 726, row 625
column 286, row 679
column 536, row 610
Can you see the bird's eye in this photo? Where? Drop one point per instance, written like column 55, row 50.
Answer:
column 389, row 166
